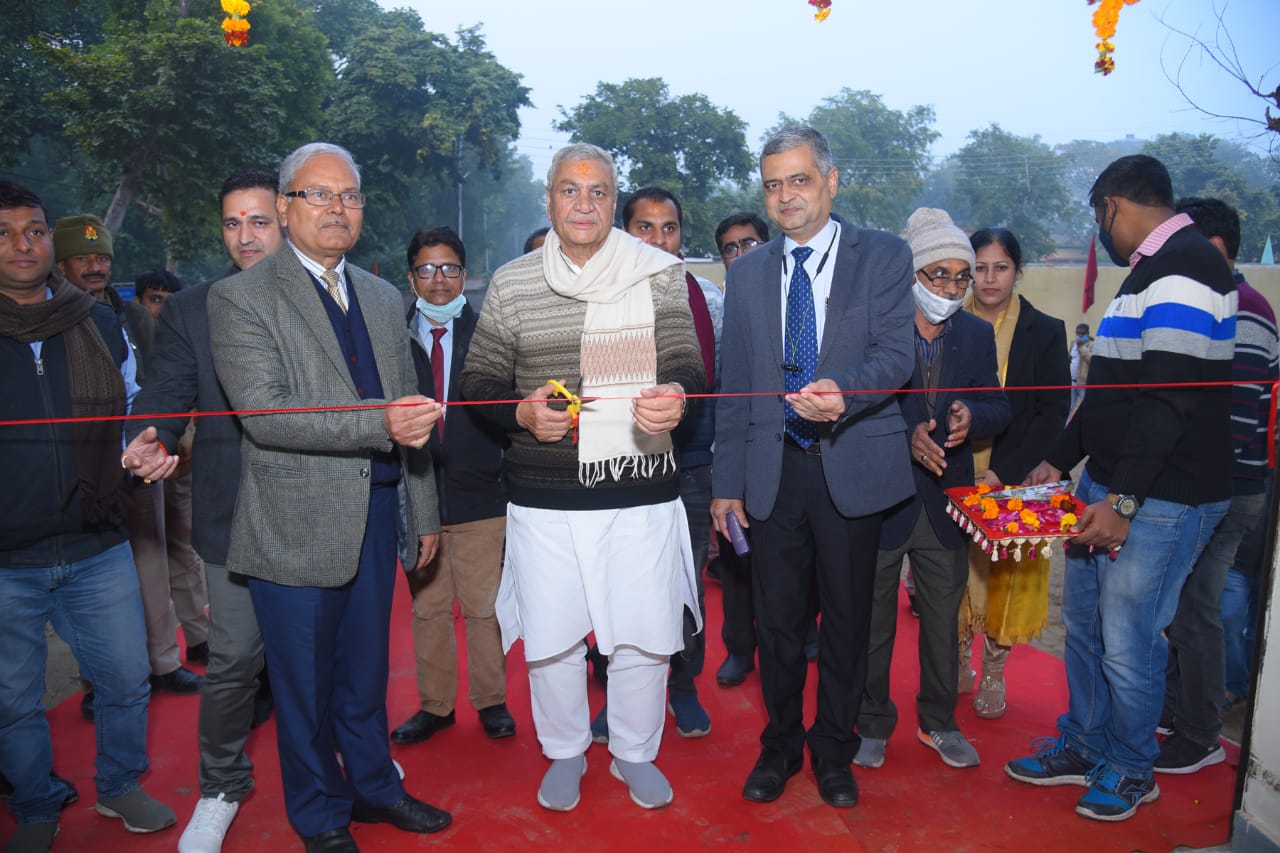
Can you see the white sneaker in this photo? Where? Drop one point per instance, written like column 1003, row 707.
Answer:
column 209, row 824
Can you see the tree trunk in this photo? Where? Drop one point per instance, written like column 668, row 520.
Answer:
column 130, row 182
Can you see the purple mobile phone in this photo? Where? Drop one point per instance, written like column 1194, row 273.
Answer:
column 737, row 535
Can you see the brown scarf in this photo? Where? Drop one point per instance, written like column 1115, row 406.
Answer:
column 96, row 390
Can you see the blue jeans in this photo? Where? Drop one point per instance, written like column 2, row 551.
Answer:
column 95, row 606
column 1115, row 613
column 1239, row 614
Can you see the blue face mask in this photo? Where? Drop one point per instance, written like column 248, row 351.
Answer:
column 442, row 314
column 1104, row 237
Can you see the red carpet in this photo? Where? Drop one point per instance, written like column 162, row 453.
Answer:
column 913, row 803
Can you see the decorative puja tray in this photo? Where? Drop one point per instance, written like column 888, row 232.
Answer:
column 1019, row 522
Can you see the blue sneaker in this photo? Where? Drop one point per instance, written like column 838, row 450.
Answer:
column 1053, row 763
column 600, row 726
column 1114, row 797
column 691, row 717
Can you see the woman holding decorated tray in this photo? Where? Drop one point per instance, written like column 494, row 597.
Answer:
column 1007, row 601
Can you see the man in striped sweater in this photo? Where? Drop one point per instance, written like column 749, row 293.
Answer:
column 1195, row 686
column 1157, row 482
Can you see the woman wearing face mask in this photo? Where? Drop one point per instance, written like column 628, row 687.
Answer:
column 1007, row 602
column 953, row 397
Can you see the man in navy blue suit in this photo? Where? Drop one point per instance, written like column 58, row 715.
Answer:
column 823, row 309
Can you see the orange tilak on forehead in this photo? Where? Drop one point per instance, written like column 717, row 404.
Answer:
column 583, row 167
column 244, row 213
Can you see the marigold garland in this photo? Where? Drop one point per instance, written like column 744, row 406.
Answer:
column 235, row 27
column 1105, row 18
column 823, row 7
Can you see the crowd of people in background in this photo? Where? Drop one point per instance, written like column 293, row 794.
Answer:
column 862, row 374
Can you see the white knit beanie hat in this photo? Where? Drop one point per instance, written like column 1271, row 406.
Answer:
column 933, row 237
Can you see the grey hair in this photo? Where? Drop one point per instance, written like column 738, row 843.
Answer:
column 295, row 161
column 582, row 151
column 795, row 136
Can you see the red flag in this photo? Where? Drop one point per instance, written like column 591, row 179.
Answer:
column 1090, row 274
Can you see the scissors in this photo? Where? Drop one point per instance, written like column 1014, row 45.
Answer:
column 575, row 403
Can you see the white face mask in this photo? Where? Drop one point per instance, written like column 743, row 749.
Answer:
column 936, row 309
column 442, row 313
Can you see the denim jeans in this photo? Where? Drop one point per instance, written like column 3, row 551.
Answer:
column 1115, row 613
column 695, row 493
column 1194, row 681
column 1239, row 611
column 95, row 606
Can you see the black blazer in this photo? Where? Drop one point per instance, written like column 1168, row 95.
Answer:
column 468, row 464
column 1037, row 357
column 968, row 361
column 180, row 377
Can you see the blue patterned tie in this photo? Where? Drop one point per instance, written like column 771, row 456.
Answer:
column 801, row 345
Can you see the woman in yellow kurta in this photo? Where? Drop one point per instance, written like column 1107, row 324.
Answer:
column 1007, row 601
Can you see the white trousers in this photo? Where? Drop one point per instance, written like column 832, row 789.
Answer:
column 637, row 703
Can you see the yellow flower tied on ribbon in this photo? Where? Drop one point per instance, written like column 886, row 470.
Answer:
column 235, row 27
column 1105, row 18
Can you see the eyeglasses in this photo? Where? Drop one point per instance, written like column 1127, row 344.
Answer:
column 732, row 250
column 426, row 272
column 319, row 197
column 941, row 277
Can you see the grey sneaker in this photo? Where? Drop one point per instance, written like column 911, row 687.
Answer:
column 871, row 752
column 952, row 746
column 559, row 791
column 32, row 837
column 649, row 788
column 139, row 810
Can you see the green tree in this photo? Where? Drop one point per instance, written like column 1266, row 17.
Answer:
column 165, row 109
column 1016, row 182
column 683, row 144
column 882, row 155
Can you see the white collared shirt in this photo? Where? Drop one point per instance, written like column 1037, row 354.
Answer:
column 317, row 270
column 825, row 241
column 421, row 331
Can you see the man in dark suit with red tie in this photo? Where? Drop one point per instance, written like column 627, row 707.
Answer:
column 466, row 455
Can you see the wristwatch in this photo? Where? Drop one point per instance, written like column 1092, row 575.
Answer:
column 1126, row 506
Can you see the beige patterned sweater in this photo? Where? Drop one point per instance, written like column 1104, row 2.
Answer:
column 528, row 334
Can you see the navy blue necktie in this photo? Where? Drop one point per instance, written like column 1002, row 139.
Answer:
column 801, row 345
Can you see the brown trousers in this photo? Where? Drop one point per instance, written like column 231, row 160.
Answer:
column 466, row 568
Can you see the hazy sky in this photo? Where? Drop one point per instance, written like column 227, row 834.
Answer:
column 1026, row 65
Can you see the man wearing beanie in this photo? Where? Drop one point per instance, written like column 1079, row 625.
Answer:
column 954, row 349
column 83, row 251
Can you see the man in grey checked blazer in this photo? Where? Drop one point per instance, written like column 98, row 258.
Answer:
column 314, row 527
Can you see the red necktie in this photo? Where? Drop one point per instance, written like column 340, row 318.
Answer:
column 437, row 371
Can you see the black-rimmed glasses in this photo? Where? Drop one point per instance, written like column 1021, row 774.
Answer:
column 319, row 197
column 732, row 250
column 426, row 272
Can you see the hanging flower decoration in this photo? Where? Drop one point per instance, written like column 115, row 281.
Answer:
column 824, row 9
column 235, row 27
column 1105, row 18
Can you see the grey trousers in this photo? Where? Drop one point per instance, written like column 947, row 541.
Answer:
column 941, row 575
column 230, row 685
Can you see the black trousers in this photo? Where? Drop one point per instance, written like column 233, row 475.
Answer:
column 804, row 538
column 739, row 628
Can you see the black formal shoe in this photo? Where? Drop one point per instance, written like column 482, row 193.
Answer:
column 768, row 779
column 199, row 653
column 421, row 726
column 409, row 814
column 333, row 841
column 181, row 680
column 497, row 721
column 86, row 706
column 835, row 782
column 734, row 670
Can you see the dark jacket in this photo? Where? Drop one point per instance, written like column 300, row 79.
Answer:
column 468, row 463
column 1037, row 358
column 968, row 361
column 180, row 377
column 40, row 518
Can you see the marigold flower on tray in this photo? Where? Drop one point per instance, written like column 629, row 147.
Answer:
column 1011, row 527
column 990, row 512
column 983, row 488
column 1030, row 519
column 971, row 499
column 1067, row 521
column 1061, row 500
column 1014, row 504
